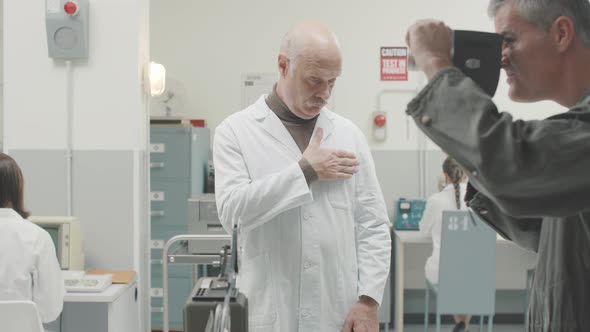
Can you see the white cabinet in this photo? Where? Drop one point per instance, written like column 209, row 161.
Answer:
column 114, row 310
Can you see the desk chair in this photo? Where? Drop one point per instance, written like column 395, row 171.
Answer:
column 19, row 316
column 465, row 288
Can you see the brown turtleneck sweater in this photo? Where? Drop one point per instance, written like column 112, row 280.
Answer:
column 300, row 129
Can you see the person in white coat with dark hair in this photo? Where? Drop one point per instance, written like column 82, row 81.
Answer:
column 29, row 269
column 299, row 180
column 449, row 198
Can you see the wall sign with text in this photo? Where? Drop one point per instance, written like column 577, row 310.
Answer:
column 394, row 63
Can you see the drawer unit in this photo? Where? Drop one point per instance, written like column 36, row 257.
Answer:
column 169, row 152
column 169, row 202
column 179, row 158
column 165, row 232
column 178, row 291
column 173, row 270
column 204, row 220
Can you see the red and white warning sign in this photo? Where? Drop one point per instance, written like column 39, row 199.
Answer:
column 394, row 63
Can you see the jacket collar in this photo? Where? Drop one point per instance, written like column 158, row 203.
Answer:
column 273, row 125
column 585, row 98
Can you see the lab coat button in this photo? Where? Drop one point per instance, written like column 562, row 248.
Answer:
column 305, row 314
column 426, row 120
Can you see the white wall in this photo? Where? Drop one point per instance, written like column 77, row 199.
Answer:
column 208, row 45
column 107, row 87
column 109, row 119
column 1, row 72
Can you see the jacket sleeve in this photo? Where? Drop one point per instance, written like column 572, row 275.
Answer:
column 48, row 285
column 527, row 168
column 372, row 228
column 240, row 200
column 523, row 231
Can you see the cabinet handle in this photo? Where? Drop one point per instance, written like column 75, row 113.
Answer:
column 156, row 261
column 157, row 196
column 156, row 244
column 157, row 309
column 157, row 213
column 214, row 227
column 157, row 148
column 156, row 292
column 157, row 164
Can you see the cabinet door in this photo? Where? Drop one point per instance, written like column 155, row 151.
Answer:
column 169, row 152
column 174, row 270
column 179, row 289
column 169, row 203
column 85, row 316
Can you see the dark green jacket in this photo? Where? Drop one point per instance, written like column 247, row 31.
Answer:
column 533, row 187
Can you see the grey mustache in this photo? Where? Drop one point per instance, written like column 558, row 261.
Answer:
column 316, row 103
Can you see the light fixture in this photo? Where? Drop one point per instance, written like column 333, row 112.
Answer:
column 157, row 79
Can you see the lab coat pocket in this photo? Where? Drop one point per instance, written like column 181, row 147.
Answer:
column 338, row 194
column 258, row 284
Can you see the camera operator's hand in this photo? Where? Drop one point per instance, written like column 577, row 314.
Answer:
column 430, row 44
column 327, row 163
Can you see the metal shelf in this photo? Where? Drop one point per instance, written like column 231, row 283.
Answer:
column 182, row 256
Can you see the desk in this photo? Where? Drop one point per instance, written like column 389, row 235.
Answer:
column 512, row 263
column 114, row 310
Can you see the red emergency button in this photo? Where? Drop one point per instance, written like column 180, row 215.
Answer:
column 379, row 120
column 71, row 8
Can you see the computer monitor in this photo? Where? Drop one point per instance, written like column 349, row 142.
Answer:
column 67, row 238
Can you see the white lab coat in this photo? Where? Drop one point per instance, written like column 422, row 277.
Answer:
column 306, row 254
column 29, row 269
column 431, row 224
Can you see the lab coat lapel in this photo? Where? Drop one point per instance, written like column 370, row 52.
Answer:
column 326, row 122
column 273, row 125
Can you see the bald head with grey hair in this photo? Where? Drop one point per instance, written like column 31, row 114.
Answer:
column 543, row 13
column 309, row 62
column 308, row 35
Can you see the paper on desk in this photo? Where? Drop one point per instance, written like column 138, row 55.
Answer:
column 119, row 277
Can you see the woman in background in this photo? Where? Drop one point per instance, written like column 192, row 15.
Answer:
column 449, row 198
column 29, row 269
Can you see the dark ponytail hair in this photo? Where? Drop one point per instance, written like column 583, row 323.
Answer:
column 11, row 185
column 456, row 174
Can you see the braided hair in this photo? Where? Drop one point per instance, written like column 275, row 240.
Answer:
column 456, row 175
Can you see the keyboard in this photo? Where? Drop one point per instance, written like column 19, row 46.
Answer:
column 92, row 283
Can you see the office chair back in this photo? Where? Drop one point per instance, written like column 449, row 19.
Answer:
column 467, row 269
column 19, row 316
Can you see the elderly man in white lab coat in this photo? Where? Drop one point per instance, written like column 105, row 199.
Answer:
column 300, row 182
